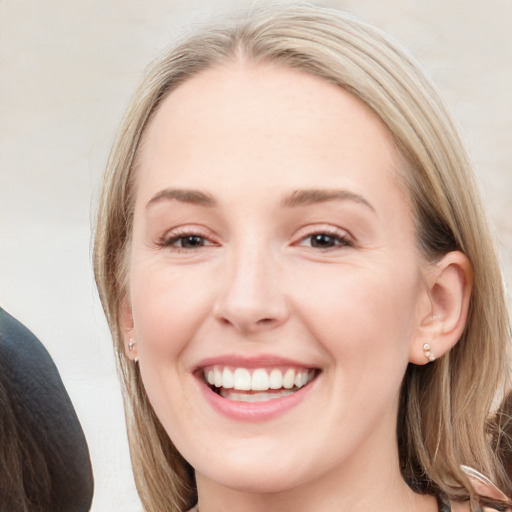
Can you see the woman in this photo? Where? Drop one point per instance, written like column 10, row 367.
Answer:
column 298, row 274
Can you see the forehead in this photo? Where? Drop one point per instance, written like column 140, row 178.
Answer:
column 262, row 123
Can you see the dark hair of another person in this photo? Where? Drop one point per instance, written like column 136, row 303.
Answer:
column 44, row 459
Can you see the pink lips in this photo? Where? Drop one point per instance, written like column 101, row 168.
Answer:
column 252, row 411
column 261, row 361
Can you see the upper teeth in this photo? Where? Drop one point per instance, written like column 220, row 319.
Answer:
column 259, row 379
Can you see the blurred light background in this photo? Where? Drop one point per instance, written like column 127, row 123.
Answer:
column 66, row 72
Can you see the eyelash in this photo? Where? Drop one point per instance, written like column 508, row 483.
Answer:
column 331, row 236
column 338, row 240
column 170, row 240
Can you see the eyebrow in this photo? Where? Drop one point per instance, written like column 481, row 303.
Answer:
column 185, row 196
column 297, row 198
column 312, row 196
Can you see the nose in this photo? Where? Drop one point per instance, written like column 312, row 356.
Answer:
column 251, row 297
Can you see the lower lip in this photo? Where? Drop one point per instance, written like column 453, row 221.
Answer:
column 254, row 411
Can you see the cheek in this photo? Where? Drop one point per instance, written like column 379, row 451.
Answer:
column 168, row 307
column 357, row 311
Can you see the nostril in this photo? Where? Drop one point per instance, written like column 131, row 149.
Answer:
column 258, row 324
column 247, row 315
column 264, row 321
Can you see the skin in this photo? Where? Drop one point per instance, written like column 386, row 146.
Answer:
column 257, row 282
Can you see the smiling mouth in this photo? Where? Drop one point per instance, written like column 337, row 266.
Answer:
column 256, row 384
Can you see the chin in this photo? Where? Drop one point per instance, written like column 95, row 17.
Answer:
column 254, row 480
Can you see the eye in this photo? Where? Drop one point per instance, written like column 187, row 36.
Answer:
column 185, row 241
column 325, row 240
column 189, row 242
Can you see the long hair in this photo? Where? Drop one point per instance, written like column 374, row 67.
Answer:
column 446, row 407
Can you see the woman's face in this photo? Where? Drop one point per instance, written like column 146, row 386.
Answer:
column 274, row 286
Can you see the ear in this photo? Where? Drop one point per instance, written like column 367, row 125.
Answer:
column 449, row 285
column 126, row 320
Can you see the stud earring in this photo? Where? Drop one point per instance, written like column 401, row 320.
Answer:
column 428, row 352
column 130, row 348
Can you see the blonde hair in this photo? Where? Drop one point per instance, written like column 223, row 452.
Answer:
column 445, row 408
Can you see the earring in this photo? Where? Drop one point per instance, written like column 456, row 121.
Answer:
column 428, row 352
column 130, row 348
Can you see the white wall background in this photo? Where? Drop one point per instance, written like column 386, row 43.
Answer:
column 67, row 69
